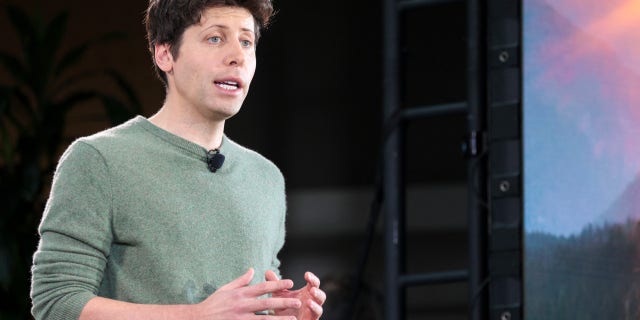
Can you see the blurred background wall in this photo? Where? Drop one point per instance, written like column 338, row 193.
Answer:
column 315, row 110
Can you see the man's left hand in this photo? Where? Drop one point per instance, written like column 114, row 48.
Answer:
column 311, row 296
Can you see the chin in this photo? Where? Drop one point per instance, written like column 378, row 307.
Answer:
column 225, row 114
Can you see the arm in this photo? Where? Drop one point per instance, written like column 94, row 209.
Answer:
column 235, row 300
column 75, row 236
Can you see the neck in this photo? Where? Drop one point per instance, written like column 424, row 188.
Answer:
column 204, row 132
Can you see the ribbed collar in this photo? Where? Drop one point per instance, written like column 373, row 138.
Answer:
column 190, row 147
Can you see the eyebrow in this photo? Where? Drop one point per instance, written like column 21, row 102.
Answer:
column 221, row 26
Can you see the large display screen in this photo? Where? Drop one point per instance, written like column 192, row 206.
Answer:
column 581, row 138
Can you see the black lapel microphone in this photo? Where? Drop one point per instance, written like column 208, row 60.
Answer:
column 215, row 159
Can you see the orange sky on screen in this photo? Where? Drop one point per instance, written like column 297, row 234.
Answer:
column 603, row 44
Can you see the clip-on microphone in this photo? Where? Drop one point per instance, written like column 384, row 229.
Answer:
column 215, row 159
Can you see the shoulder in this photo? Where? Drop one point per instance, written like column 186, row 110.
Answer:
column 95, row 149
column 124, row 134
column 253, row 160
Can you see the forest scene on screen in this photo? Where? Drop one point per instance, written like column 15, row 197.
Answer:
column 581, row 132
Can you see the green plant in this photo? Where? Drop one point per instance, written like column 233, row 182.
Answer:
column 44, row 85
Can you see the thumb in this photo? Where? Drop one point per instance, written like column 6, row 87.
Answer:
column 270, row 276
column 239, row 282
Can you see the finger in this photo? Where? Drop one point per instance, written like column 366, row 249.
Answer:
column 312, row 279
column 272, row 316
column 315, row 308
column 274, row 304
column 319, row 295
column 239, row 282
column 270, row 276
column 269, row 287
column 265, row 317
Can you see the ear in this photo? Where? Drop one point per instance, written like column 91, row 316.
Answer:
column 163, row 57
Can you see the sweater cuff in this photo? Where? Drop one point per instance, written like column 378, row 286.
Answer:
column 71, row 306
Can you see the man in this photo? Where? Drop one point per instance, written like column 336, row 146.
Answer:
column 145, row 220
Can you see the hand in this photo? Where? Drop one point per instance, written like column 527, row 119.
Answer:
column 311, row 296
column 238, row 300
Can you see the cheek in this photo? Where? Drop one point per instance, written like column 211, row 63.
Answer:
column 186, row 70
column 251, row 66
column 251, row 60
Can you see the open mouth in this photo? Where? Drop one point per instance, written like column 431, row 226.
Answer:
column 228, row 85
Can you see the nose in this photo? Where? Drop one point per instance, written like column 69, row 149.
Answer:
column 235, row 54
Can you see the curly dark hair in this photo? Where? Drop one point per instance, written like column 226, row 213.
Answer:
column 166, row 20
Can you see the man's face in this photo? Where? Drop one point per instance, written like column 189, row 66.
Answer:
column 215, row 64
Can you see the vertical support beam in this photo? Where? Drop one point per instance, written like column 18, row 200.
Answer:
column 392, row 166
column 477, row 167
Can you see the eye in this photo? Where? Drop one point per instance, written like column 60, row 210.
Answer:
column 214, row 39
column 246, row 43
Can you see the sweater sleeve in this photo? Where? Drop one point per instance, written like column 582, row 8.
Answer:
column 75, row 236
column 280, row 237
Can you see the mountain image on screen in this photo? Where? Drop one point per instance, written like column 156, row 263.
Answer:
column 581, row 122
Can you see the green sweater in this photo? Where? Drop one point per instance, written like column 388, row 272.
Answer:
column 135, row 215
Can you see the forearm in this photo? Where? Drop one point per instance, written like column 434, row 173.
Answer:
column 101, row 308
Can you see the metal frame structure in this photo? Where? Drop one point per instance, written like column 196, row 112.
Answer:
column 504, row 140
column 396, row 280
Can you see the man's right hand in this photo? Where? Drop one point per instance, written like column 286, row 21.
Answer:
column 238, row 300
